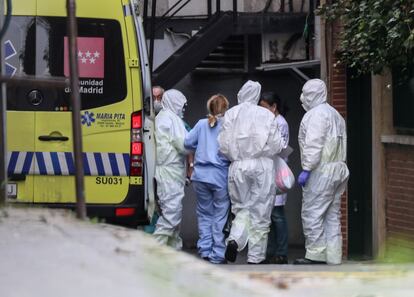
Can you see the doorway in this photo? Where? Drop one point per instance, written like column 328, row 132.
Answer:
column 359, row 127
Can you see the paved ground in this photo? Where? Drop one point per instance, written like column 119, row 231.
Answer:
column 49, row 253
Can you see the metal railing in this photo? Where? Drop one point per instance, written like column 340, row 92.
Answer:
column 54, row 82
column 156, row 23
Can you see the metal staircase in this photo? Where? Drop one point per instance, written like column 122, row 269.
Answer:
column 228, row 57
column 188, row 57
column 225, row 44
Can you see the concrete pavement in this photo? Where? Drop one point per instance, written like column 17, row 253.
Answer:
column 49, row 253
column 46, row 252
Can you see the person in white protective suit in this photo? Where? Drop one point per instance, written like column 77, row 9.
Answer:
column 249, row 138
column 170, row 167
column 322, row 142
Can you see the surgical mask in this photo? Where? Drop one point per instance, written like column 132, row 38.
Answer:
column 302, row 99
column 157, row 106
column 181, row 113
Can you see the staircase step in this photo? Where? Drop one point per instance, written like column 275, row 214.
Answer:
column 224, row 55
column 228, row 57
column 233, row 42
column 229, row 47
column 220, row 70
column 187, row 57
column 210, row 62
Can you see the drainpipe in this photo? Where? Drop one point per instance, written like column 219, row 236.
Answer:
column 3, row 148
column 321, row 28
column 4, row 23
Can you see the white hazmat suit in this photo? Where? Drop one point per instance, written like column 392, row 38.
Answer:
column 170, row 169
column 322, row 141
column 249, row 138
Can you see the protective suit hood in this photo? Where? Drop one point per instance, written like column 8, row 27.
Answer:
column 313, row 94
column 174, row 101
column 249, row 92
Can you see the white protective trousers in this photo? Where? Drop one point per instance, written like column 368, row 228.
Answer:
column 252, row 192
column 170, row 191
column 321, row 212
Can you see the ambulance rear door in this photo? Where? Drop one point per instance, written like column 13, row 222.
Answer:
column 142, row 94
column 105, row 100
column 19, row 45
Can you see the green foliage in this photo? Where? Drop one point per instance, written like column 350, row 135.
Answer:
column 376, row 33
column 398, row 249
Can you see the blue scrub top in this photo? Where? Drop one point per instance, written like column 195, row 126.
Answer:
column 210, row 165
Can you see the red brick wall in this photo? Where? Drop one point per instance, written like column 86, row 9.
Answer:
column 338, row 100
column 399, row 208
column 337, row 87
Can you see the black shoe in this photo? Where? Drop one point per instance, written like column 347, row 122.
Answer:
column 206, row 258
column 263, row 262
column 221, row 262
column 231, row 251
column 278, row 260
column 305, row 261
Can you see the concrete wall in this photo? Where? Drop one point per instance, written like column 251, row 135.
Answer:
column 164, row 48
column 199, row 7
column 258, row 5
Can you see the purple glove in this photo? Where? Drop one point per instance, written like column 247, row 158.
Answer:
column 303, row 177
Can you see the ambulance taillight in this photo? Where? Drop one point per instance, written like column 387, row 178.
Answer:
column 137, row 146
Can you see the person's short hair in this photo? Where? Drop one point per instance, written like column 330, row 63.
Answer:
column 159, row 87
column 159, row 97
column 272, row 98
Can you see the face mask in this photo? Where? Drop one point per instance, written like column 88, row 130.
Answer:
column 181, row 113
column 157, row 106
column 302, row 99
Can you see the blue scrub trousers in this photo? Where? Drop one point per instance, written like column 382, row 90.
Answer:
column 213, row 205
column 277, row 244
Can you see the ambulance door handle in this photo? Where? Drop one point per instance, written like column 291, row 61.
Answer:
column 53, row 138
column 146, row 130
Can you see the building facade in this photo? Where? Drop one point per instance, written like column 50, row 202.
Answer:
column 267, row 42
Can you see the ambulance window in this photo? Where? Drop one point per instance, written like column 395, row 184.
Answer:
column 19, row 58
column 101, row 61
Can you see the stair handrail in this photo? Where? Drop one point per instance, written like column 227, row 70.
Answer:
column 167, row 16
column 218, row 8
column 166, row 19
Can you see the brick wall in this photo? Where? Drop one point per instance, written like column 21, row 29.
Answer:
column 337, row 90
column 338, row 100
column 399, row 207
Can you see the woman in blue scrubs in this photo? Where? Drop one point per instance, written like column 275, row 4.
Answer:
column 209, row 180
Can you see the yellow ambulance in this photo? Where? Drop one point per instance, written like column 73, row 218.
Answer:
column 117, row 131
